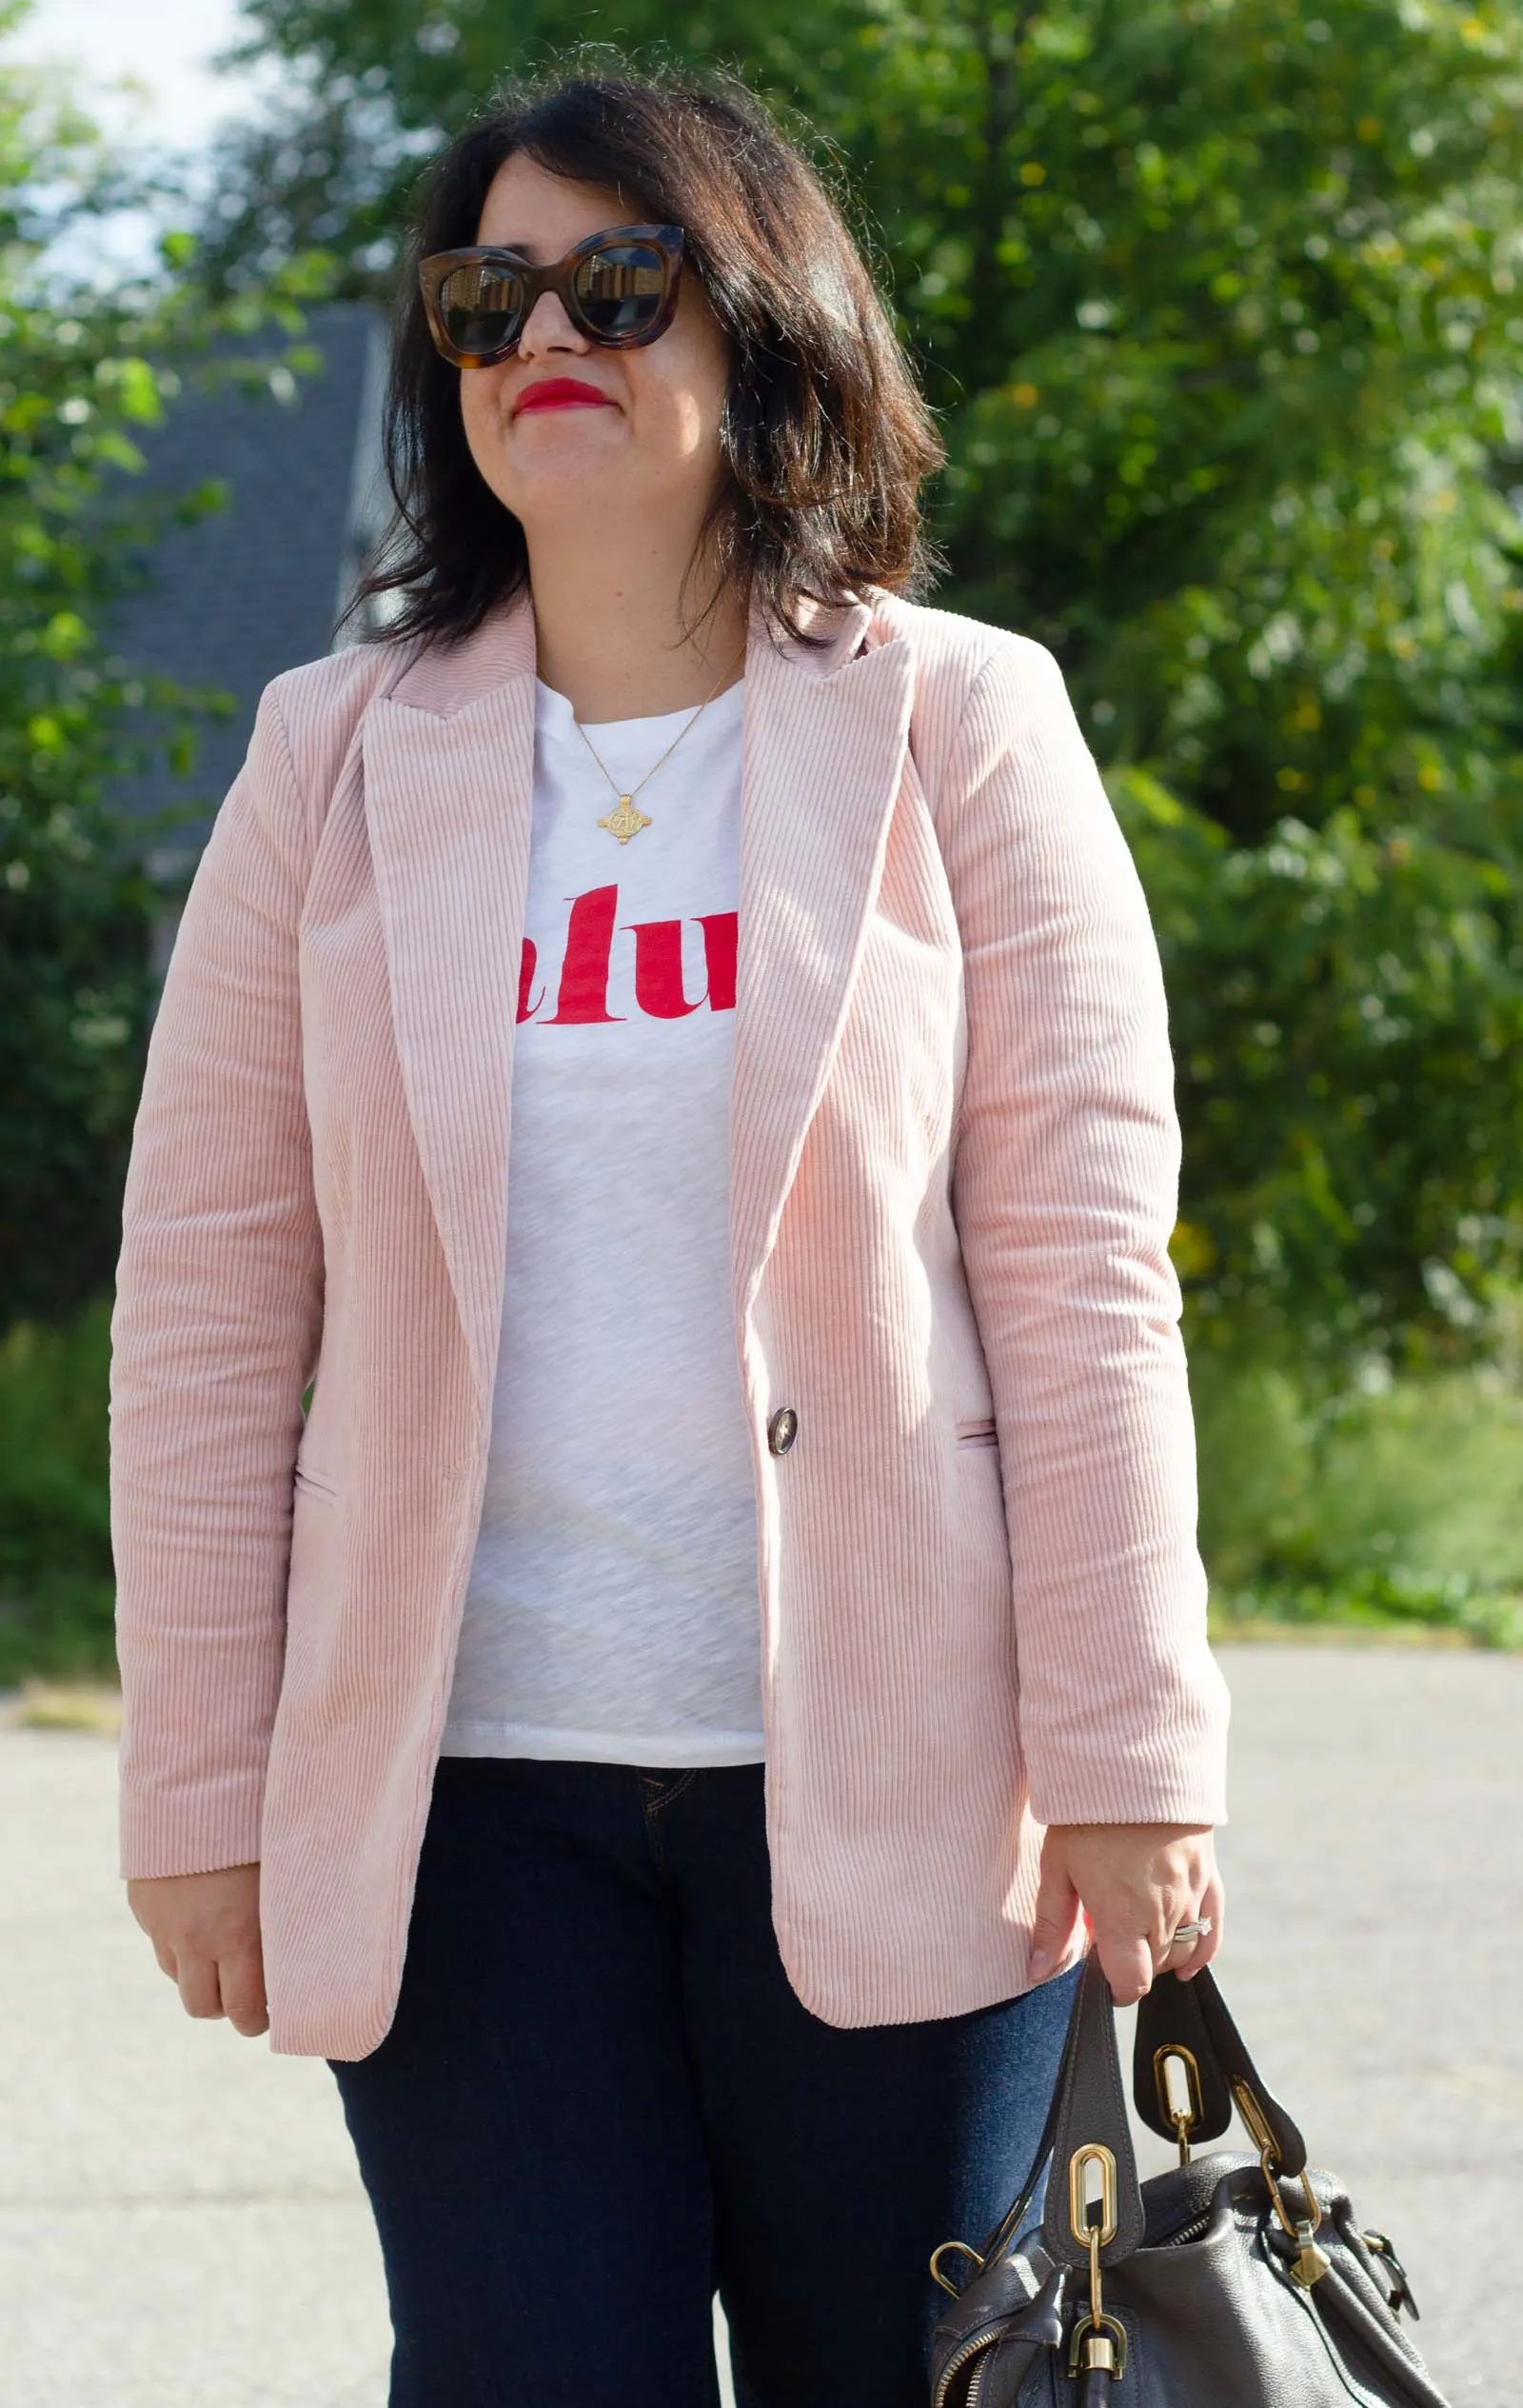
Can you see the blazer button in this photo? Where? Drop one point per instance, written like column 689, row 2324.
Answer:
column 783, row 1430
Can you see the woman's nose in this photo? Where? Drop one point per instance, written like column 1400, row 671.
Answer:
column 548, row 328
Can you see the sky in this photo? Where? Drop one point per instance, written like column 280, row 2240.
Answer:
column 161, row 48
column 143, row 70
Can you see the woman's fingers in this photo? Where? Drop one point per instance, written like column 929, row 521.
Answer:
column 241, row 1981
column 1213, row 1909
column 205, row 1934
column 200, row 1992
column 232, row 1986
column 1134, row 1920
column 1126, row 1961
column 1057, row 1911
column 1139, row 1883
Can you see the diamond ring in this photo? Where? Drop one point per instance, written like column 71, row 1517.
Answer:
column 1187, row 1934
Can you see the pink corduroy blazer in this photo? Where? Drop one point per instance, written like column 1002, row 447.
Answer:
column 954, row 1169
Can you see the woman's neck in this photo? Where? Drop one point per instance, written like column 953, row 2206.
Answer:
column 612, row 631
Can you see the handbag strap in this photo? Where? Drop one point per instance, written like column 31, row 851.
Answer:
column 1087, row 2120
column 1188, row 2022
column 1091, row 2137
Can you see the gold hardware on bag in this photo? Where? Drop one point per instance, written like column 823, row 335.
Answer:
column 964, row 2249
column 1401, row 2291
column 1096, row 2337
column 1184, row 2115
column 1082, row 2221
column 1101, row 2343
column 1311, row 2262
column 1255, row 2120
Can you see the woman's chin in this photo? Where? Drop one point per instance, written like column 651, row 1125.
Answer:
column 577, row 494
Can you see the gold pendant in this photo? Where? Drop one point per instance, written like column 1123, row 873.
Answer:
column 625, row 822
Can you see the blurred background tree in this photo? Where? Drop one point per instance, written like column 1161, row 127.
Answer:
column 76, row 910
column 87, row 363
column 77, row 906
column 1222, row 304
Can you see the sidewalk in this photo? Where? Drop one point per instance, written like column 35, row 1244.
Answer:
column 180, row 2217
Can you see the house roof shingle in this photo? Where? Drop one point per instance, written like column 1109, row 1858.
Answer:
column 256, row 587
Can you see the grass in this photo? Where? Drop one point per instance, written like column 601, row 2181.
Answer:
column 1460, row 1617
column 55, row 1552
column 1393, row 1508
column 68, row 1705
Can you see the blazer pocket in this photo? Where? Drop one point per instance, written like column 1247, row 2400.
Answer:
column 976, row 1434
column 325, row 1490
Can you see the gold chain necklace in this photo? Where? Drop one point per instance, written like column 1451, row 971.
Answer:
column 624, row 822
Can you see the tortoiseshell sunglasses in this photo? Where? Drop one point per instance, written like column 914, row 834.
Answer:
column 619, row 287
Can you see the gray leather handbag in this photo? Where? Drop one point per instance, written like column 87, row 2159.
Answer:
column 1241, row 2280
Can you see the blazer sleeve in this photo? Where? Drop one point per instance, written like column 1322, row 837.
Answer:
column 214, row 1338
column 1065, row 1191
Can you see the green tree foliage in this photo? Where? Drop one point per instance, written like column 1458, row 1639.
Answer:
column 75, row 910
column 84, row 370
column 1222, row 302
column 56, row 1591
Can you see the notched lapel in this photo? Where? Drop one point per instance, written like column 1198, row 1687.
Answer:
column 448, row 802
column 823, row 759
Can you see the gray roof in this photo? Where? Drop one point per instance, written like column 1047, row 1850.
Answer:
column 258, row 586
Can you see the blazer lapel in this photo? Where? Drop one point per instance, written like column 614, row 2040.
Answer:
column 448, row 761
column 825, row 739
column 448, row 764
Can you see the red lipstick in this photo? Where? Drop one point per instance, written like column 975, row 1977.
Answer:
column 560, row 392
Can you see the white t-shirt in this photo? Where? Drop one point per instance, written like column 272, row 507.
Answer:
column 611, row 1609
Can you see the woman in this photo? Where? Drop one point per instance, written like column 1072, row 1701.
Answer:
column 807, row 1357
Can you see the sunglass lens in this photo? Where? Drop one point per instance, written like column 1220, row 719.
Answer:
column 480, row 307
column 619, row 289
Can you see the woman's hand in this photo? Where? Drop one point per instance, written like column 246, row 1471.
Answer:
column 205, row 1930
column 1138, row 1881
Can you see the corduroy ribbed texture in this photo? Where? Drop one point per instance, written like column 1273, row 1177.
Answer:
column 954, row 1167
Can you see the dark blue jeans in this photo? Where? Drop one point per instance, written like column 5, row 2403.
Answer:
column 600, row 2101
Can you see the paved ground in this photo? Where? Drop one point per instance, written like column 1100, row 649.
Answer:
column 180, row 2220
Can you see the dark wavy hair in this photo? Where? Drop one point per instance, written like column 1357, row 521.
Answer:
column 825, row 436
